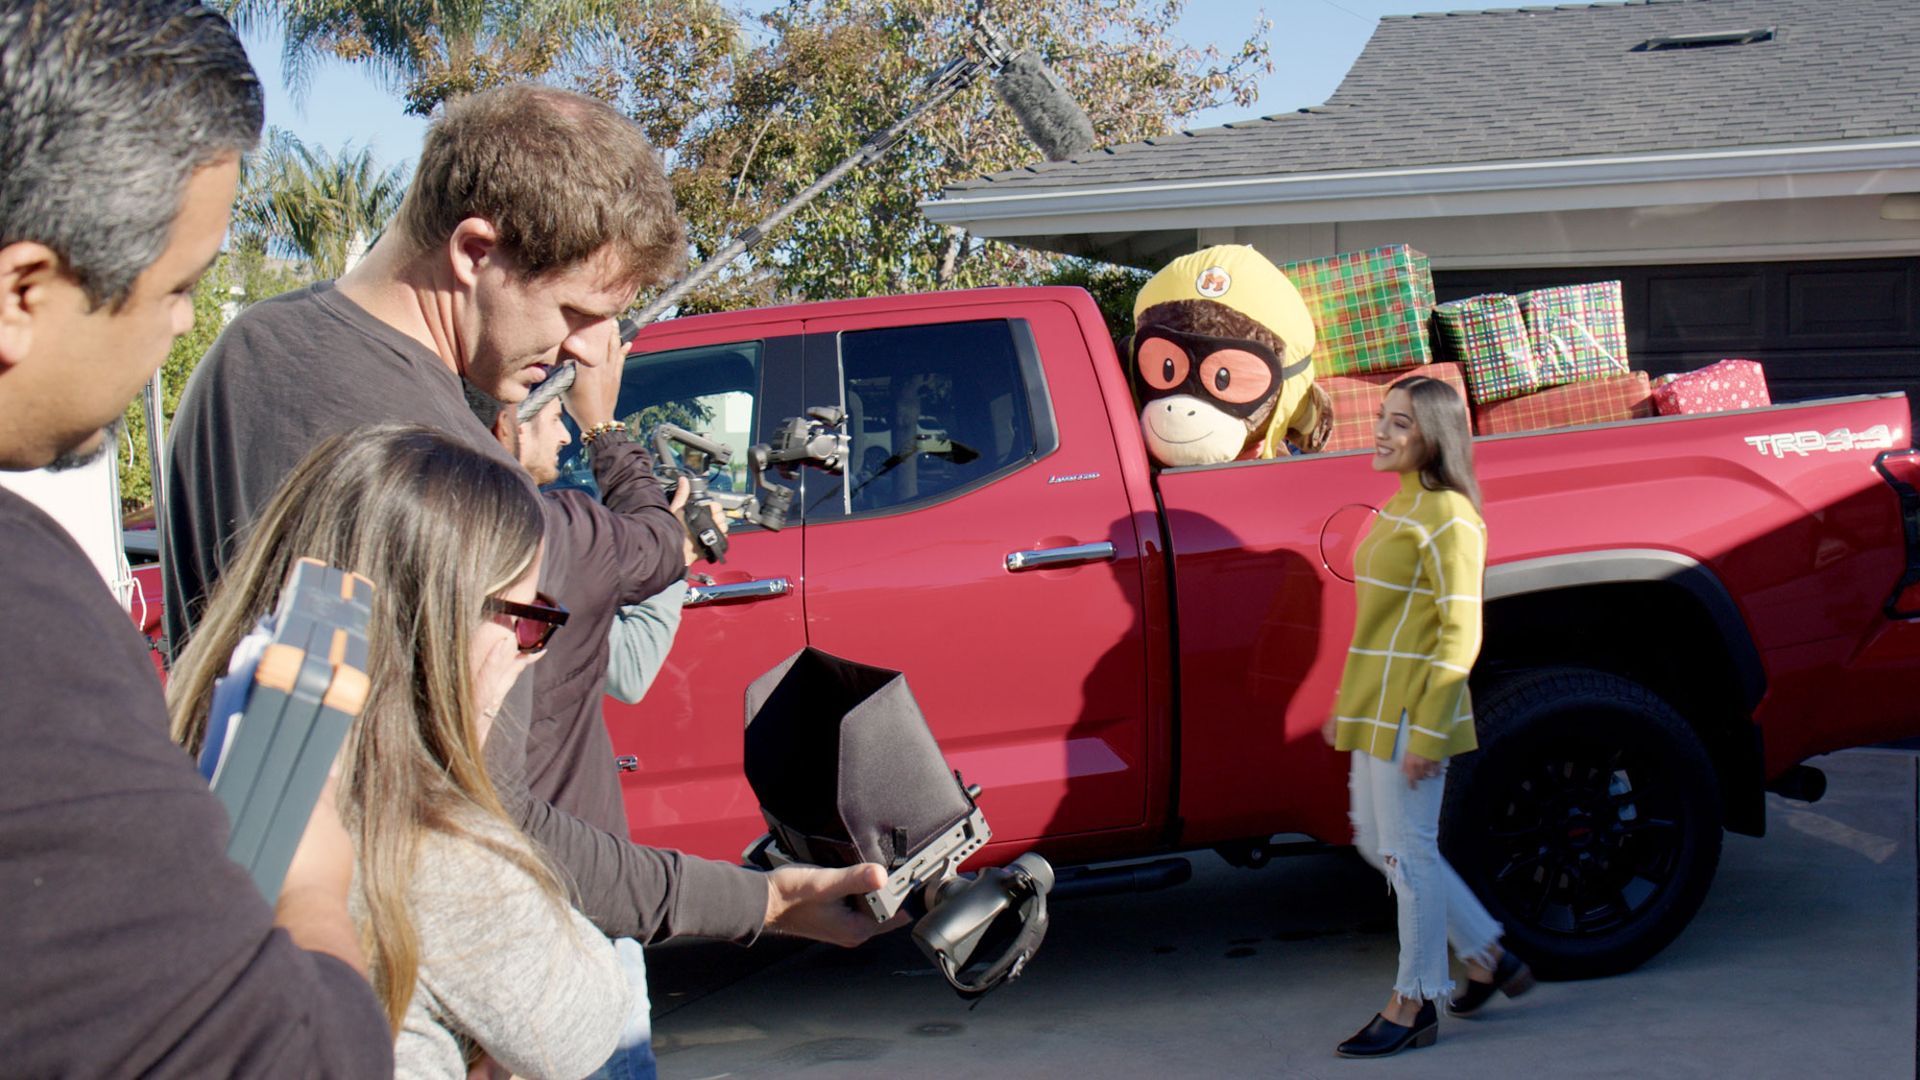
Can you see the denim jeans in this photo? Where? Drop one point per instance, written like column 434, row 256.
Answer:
column 633, row 1059
column 1397, row 830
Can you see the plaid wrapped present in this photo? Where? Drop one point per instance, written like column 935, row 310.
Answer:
column 1357, row 398
column 1577, row 331
column 1489, row 338
column 1369, row 308
column 1596, row 401
column 1721, row 387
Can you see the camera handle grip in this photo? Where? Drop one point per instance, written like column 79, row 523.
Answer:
column 707, row 537
column 980, row 930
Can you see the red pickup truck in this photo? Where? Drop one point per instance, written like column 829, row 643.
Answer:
column 1133, row 661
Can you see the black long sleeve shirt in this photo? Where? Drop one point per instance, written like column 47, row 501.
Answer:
column 129, row 943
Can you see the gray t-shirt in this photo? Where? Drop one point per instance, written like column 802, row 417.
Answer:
column 295, row 369
column 287, row 373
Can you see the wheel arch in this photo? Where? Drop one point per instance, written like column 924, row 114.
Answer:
column 1657, row 617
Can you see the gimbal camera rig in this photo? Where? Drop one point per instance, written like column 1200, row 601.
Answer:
column 816, row 439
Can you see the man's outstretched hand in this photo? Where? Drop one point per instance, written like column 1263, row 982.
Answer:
column 811, row 902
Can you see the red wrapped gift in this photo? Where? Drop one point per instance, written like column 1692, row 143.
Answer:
column 1357, row 398
column 1596, row 401
column 1721, row 387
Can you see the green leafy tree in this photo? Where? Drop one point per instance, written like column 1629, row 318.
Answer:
column 689, row 413
column 1113, row 288
column 428, row 52
column 302, row 201
column 746, row 128
column 675, row 78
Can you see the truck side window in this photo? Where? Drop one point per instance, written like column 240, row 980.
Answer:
column 930, row 410
column 711, row 390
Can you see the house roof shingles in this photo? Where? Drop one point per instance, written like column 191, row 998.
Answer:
column 1540, row 83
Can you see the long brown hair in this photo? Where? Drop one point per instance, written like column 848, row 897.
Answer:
column 438, row 527
column 1446, row 436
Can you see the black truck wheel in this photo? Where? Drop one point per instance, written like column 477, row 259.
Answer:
column 1588, row 821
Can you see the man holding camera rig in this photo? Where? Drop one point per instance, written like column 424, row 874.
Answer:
column 507, row 257
column 131, row 944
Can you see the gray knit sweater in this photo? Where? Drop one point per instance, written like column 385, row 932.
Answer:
column 505, row 967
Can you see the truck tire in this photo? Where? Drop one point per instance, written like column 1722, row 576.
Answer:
column 1588, row 821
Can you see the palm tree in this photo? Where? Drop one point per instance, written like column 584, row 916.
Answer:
column 432, row 50
column 296, row 200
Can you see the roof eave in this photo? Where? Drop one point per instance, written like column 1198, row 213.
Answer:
column 1845, row 167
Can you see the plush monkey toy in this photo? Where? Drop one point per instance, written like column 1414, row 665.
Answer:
column 1222, row 359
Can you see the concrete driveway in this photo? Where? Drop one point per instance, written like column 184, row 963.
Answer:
column 1801, row 964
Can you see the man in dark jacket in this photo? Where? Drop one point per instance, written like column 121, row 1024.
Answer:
column 130, row 944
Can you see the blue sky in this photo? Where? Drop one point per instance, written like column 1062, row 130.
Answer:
column 1314, row 43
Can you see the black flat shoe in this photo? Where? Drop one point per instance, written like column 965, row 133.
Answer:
column 1511, row 976
column 1382, row 1036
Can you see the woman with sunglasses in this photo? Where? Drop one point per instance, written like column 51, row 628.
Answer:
column 1403, row 709
column 472, row 944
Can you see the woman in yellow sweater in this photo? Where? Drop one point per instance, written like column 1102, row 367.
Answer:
column 1403, row 708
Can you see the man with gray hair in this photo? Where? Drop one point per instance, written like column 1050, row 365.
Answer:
column 132, row 945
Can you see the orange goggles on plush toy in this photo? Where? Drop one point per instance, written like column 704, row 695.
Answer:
column 1236, row 375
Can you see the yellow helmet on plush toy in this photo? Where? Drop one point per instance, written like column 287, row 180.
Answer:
column 1241, row 278
column 1247, row 288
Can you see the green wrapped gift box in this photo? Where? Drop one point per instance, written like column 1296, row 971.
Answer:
column 1488, row 337
column 1578, row 332
column 1370, row 309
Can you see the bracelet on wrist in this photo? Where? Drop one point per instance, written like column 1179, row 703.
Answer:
column 596, row 431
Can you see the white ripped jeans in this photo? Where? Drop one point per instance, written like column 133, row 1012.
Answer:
column 1397, row 830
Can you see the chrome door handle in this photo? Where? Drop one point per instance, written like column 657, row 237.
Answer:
column 627, row 763
column 1060, row 556
column 762, row 589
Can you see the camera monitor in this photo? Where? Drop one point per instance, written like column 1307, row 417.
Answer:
column 847, row 772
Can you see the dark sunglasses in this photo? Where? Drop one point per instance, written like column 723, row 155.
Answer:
column 533, row 624
column 1236, row 374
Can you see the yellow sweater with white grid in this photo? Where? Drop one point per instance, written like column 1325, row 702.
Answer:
column 1416, row 630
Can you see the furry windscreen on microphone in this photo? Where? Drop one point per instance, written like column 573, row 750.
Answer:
column 1057, row 125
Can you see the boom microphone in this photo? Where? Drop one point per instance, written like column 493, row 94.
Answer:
column 561, row 377
column 1048, row 114
column 555, row 384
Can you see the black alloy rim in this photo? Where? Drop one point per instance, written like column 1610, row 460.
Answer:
column 1583, row 838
